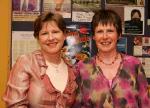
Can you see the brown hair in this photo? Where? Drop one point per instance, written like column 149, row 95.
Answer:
column 105, row 17
column 45, row 17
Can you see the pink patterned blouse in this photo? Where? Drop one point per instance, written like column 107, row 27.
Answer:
column 29, row 87
column 129, row 88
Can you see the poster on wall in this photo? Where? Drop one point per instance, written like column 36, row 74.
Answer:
column 78, row 40
column 72, row 43
column 83, row 10
column 60, row 6
column 25, row 10
column 22, row 42
column 126, row 2
column 134, row 20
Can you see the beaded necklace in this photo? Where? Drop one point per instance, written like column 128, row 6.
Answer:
column 100, row 60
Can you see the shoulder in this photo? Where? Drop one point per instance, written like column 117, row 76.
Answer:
column 84, row 66
column 130, row 59
column 87, row 61
column 27, row 58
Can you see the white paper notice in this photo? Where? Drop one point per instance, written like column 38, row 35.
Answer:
column 22, row 42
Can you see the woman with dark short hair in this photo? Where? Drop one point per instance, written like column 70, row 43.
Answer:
column 110, row 79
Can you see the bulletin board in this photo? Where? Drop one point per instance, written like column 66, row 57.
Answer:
column 78, row 15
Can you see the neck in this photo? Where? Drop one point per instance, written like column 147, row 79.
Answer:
column 53, row 58
column 107, row 58
column 107, row 55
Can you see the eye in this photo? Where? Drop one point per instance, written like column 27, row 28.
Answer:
column 110, row 31
column 44, row 33
column 56, row 31
column 99, row 31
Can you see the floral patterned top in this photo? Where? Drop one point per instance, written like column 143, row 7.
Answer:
column 129, row 88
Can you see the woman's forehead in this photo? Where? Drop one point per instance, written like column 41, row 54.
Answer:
column 49, row 23
column 105, row 24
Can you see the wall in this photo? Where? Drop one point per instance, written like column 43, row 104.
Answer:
column 5, row 30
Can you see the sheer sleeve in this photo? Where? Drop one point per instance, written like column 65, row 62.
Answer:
column 78, row 100
column 144, row 94
column 18, row 84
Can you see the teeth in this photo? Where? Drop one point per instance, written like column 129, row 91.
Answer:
column 105, row 43
column 51, row 44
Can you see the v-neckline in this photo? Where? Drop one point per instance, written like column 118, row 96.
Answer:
column 117, row 73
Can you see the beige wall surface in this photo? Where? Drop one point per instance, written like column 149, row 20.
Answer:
column 5, row 31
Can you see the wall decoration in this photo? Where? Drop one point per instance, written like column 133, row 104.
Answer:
column 134, row 20
column 82, row 11
column 78, row 14
column 25, row 10
column 60, row 6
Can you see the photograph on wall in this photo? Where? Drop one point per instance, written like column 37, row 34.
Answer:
column 22, row 42
column 146, row 51
column 25, row 10
column 138, row 40
column 59, row 6
column 146, row 41
column 122, row 45
column 134, row 20
column 83, row 10
column 146, row 46
column 126, row 2
column 137, row 48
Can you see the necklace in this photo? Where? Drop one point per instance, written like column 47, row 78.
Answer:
column 55, row 66
column 100, row 60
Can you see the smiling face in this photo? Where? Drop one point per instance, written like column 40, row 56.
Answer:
column 51, row 38
column 106, row 37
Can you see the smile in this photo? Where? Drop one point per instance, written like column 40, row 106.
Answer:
column 105, row 43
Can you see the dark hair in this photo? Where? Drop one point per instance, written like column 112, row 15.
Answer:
column 105, row 17
column 135, row 11
column 45, row 17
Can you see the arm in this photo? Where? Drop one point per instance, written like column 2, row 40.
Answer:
column 144, row 94
column 18, row 83
column 78, row 99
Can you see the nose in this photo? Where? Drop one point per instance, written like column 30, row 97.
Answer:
column 105, row 35
column 50, row 36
